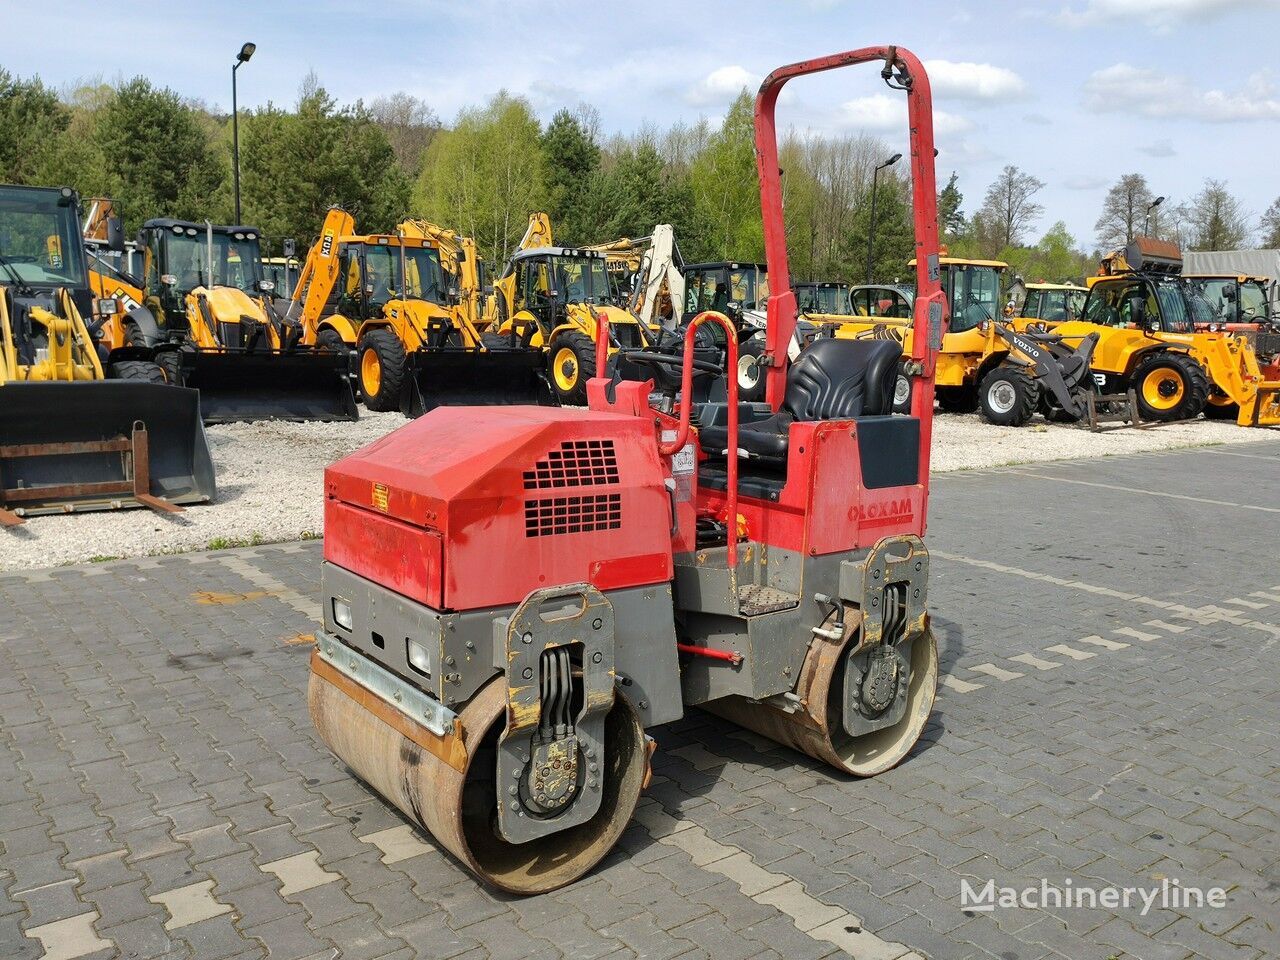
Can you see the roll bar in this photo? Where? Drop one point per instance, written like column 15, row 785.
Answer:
column 902, row 70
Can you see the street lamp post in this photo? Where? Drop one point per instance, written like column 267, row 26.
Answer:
column 871, row 228
column 243, row 56
column 1146, row 220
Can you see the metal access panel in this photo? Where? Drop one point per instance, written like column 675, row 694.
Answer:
column 548, row 769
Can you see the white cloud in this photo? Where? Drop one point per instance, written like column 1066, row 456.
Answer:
column 1039, row 119
column 1123, row 88
column 1084, row 182
column 1160, row 14
column 974, row 81
column 881, row 113
column 1161, row 148
column 721, row 86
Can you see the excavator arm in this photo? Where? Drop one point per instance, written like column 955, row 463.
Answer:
column 319, row 273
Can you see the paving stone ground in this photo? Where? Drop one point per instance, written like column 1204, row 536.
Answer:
column 1110, row 636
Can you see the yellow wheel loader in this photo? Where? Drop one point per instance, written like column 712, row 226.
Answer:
column 409, row 320
column 83, row 426
column 549, row 298
column 1155, row 338
column 203, row 283
column 985, row 363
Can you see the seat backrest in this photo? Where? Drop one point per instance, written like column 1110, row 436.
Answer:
column 834, row 379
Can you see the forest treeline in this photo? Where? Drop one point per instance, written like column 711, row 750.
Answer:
column 160, row 154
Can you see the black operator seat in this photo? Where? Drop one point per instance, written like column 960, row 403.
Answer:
column 833, row 379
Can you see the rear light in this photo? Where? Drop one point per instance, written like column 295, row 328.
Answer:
column 984, row 326
column 419, row 657
column 169, row 280
column 107, row 307
column 342, row 613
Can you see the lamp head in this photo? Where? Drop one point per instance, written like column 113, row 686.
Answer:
column 246, row 52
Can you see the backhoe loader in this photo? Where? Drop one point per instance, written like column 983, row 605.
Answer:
column 1155, row 339
column 767, row 566
column 413, row 330
column 83, row 425
column 551, row 299
column 203, row 283
column 646, row 275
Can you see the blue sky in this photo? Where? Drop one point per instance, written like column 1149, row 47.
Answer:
column 1073, row 91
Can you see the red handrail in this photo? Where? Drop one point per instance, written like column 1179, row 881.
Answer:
column 686, row 406
column 602, row 343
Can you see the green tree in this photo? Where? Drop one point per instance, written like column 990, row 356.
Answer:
column 160, row 161
column 1054, row 259
column 294, row 166
column 1217, row 219
column 726, row 189
column 951, row 222
column 633, row 193
column 572, row 158
column 1124, row 211
column 1270, row 226
column 31, row 123
column 486, row 175
column 1008, row 210
column 893, row 243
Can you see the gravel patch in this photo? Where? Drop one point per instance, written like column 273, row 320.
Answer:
column 270, row 482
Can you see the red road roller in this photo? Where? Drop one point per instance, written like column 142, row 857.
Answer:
column 514, row 595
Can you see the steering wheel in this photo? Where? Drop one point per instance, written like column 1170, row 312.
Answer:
column 668, row 360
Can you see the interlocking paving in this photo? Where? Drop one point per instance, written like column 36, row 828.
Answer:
column 1110, row 636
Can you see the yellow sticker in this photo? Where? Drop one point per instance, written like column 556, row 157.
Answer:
column 380, row 496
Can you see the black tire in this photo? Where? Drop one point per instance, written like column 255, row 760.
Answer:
column 133, row 336
column 752, row 382
column 330, row 340
column 957, row 399
column 139, row 371
column 170, row 361
column 381, row 370
column 1222, row 410
column 492, row 340
column 903, row 390
column 1169, row 386
column 1008, row 396
column 571, row 362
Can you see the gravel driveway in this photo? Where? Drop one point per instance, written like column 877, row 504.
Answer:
column 269, row 482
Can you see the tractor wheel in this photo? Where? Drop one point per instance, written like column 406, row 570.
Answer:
column 751, row 374
column 382, row 370
column 1170, row 386
column 1008, row 396
column 573, row 363
column 957, row 399
column 902, row 391
column 1220, row 407
column 170, row 361
column 138, row 370
column 330, row 340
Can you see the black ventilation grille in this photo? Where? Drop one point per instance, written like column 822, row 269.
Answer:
column 578, row 463
column 581, row 514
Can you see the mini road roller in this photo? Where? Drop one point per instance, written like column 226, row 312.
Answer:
column 514, row 595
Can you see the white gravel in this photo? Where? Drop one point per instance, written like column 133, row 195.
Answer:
column 270, row 482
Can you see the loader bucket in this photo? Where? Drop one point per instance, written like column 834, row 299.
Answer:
column 303, row 385
column 100, row 445
column 475, row 378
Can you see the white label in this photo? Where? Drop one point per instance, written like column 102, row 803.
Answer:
column 682, row 462
column 1100, row 379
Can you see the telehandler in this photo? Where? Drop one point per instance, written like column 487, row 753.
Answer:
column 203, row 283
column 1155, row 339
column 414, row 333
column 550, row 298
column 512, row 597
column 84, row 424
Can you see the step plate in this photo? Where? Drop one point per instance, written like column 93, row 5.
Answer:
column 754, row 600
